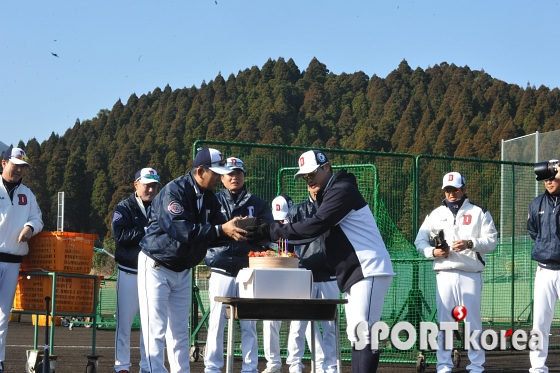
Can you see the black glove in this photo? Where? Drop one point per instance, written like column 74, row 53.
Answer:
column 258, row 232
column 438, row 240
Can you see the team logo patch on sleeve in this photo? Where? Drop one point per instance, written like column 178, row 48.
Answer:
column 117, row 216
column 175, row 208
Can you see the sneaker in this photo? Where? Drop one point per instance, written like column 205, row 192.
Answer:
column 273, row 370
column 120, row 371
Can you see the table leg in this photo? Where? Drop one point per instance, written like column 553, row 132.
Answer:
column 231, row 324
column 337, row 344
column 312, row 346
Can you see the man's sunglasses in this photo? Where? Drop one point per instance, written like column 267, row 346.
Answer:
column 312, row 174
column 149, row 176
column 452, row 190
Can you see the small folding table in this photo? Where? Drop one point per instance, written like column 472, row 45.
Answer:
column 282, row 309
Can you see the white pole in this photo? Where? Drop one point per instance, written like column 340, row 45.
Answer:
column 60, row 215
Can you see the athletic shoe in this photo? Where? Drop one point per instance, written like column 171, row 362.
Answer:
column 120, row 371
column 273, row 370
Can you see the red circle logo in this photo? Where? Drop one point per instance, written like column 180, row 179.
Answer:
column 459, row 313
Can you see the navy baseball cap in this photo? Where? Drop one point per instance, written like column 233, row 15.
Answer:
column 213, row 160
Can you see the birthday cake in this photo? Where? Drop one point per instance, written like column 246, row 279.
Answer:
column 272, row 259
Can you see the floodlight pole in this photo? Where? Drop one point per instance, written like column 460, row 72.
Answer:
column 60, row 215
column 536, row 160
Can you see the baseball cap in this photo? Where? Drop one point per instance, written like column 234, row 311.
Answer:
column 280, row 206
column 453, row 179
column 147, row 176
column 213, row 160
column 310, row 161
column 234, row 163
column 16, row 155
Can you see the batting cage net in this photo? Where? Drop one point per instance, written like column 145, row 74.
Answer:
column 401, row 190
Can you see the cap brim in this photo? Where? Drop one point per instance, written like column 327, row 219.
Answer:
column 221, row 170
column 452, row 186
column 304, row 171
column 279, row 215
column 148, row 181
column 19, row 161
column 237, row 168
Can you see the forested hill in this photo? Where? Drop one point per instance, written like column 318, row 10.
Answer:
column 444, row 109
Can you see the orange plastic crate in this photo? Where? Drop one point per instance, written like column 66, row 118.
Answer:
column 73, row 294
column 43, row 320
column 67, row 252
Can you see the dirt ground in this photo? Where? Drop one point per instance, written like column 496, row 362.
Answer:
column 72, row 346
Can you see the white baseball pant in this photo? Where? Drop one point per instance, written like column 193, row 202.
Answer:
column 459, row 288
column 9, row 274
column 225, row 286
column 365, row 303
column 127, row 309
column 165, row 298
column 325, row 345
column 546, row 293
column 271, row 343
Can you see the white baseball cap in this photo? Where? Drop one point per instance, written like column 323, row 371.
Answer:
column 310, row 161
column 16, row 156
column 147, row 176
column 234, row 163
column 280, row 206
column 453, row 179
column 213, row 160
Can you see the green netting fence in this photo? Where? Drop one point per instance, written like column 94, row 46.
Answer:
column 401, row 190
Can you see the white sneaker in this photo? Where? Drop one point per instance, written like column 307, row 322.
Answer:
column 273, row 370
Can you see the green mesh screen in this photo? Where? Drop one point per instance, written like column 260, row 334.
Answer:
column 401, row 190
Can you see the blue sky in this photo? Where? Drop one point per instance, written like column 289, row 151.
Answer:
column 110, row 49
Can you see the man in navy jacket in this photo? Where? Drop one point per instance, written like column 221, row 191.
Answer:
column 542, row 225
column 130, row 220
column 185, row 218
column 353, row 246
column 225, row 261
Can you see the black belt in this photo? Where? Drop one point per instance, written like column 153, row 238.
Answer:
column 551, row 266
column 128, row 270
column 10, row 258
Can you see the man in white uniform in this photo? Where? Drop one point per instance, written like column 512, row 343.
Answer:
column 20, row 218
column 471, row 233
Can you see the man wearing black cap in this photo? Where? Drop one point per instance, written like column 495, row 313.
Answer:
column 542, row 224
column 20, row 218
column 353, row 246
column 130, row 220
column 185, row 218
column 225, row 261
